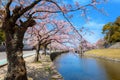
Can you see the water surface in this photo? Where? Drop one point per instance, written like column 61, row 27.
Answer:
column 73, row 67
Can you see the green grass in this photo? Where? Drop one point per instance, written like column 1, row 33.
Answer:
column 107, row 53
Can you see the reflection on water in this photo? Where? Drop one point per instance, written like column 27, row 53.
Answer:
column 72, row 67
column 112, row 69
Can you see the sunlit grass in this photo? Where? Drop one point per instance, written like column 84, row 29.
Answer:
column 107, row 53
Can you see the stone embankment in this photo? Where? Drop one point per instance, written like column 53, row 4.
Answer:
column 115, row 46
column 53, row 55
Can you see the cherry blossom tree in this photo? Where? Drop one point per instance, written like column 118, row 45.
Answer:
column 42, row 36
column 21, row 14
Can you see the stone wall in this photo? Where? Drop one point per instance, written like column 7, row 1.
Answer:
column 53, row 55
column 116, row 45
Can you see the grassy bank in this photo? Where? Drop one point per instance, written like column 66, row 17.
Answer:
column 111, row 54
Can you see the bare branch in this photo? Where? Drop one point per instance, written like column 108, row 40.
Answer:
column 21, row 12
column 29, row 23
column 67, row 18
column 7, row 8
column 46, row 11
column 29, row 7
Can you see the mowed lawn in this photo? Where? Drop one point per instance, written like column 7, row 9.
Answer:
column 106, row 53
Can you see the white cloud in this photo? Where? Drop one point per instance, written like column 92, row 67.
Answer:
column 96, row 28
column 94, row 25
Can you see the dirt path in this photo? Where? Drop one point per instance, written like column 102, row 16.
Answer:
column 42, row 70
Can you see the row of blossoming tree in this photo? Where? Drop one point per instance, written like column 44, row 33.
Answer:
column 55, row 37
column 16, row 16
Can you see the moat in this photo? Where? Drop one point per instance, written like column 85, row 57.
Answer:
column 73, row 67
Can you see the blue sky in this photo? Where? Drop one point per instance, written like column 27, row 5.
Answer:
column 97, row 19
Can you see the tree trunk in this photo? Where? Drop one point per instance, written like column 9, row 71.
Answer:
column 14, row 44
column 16, row 64
column 45, row 47
column 50, row 50
column 36, row 56
column 37, row 53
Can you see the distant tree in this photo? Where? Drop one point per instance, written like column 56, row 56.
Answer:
column 100, row 43
column 112, row 32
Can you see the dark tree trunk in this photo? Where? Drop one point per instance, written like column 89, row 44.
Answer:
column 14, row 49
column 16, row 64
column 14, row 36
column 45, row 47
column 37, row 53
column 50, row 49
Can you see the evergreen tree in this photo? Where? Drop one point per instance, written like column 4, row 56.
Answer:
column 112, row 31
